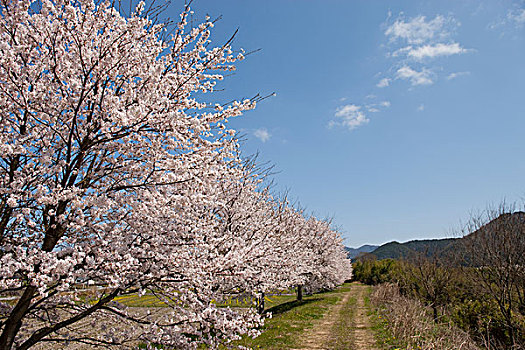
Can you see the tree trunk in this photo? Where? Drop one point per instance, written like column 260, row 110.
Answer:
column 14, row 322
column 300, row 292
column 260, row 304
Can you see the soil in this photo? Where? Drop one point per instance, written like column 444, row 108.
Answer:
column 360, row 333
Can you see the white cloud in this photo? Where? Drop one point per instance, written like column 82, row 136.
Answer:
column 262, row 134
column 376, row 107
column 417, row 30
column 514, row 19
column 431, row 51
column 419, row 40
column 415, row 77
column 383, row 83
column 421, row 108
column 402, row 51
column 349, row 116
column 456, row 75
column 517, row 17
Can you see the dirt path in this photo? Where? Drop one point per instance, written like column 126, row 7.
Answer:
column 321, row 333
column 362, row 331
column 345, row 327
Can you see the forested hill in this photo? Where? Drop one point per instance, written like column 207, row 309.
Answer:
column 396, row 250
column 508, row 226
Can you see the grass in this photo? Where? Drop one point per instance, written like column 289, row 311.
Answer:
column 275, row 300
column 342, row 338
column 134, row 300
column 270, row 301
column 404, row 323
column 290, row 319
column 384, row 338
column 150, row 300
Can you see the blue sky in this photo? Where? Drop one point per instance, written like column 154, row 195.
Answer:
column 396, row 118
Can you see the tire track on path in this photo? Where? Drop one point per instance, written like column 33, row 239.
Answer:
column 362, row 330
column 320, row 334
column 336, row 332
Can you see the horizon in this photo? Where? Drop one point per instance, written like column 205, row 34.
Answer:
column 401, row 242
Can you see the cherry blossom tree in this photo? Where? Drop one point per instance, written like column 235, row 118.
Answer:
column 274, row 246
column 114, row 175
column 101, row 138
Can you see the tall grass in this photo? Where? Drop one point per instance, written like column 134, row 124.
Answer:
column 411, row 325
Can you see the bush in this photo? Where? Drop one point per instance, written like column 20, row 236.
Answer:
column 373, row 272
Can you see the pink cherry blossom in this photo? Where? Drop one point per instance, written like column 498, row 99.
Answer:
column 116, row 178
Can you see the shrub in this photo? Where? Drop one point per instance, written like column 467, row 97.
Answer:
column 411, row 324
column 375, row 271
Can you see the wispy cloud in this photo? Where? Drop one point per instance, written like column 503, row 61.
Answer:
column 517, row 16
column 417, row 30
column 383, row 83
column 455, row 75
column 415, row 42
column 432, row 51
column 514, row 19
column 349, row 116
column 377, row 106
column 421, row 108
column 262, row 134
column 416, row 78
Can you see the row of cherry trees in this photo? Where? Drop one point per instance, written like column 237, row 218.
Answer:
column 114, row 174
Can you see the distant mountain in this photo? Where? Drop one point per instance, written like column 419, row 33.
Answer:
column 509, row 228
column 391, row 250
column 396, row 250
column 354, row 252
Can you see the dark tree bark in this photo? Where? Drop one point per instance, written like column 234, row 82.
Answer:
column 300, row 292
column 260, row 304
column 14, row 322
